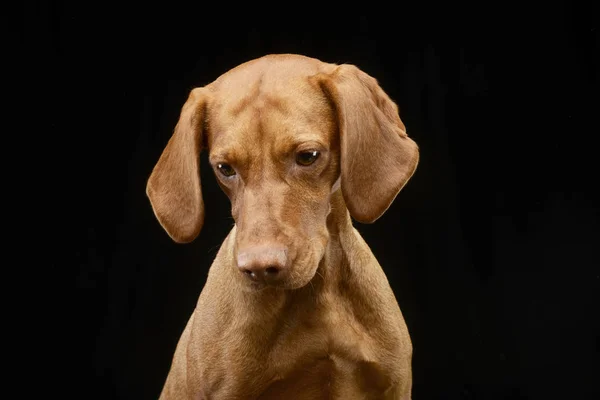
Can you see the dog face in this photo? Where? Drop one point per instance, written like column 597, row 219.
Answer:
column 276, row 155
column 284, row 132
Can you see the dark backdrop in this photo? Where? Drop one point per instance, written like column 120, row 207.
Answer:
column 491, row 249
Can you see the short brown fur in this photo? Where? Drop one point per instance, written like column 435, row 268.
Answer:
column 295, row 305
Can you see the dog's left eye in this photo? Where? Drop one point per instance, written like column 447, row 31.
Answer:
column 306, row 158
column 226, row 169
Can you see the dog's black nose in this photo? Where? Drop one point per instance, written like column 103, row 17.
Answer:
column 265, row 264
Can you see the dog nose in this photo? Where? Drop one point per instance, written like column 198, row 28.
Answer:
column 265, row 264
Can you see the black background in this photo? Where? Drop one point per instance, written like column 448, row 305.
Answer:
column 491, row 249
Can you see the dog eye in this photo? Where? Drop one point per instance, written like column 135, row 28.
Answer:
column 226, row 169
column 306, row 158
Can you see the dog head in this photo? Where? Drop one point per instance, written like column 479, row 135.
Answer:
column 284, row 133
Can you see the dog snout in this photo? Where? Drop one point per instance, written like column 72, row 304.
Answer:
column 264, row 264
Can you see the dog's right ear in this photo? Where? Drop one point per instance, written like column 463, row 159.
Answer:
column 174, row 187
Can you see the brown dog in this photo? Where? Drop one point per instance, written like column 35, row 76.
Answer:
column 295, row 305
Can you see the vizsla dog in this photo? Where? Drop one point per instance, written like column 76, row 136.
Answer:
column 295, row 305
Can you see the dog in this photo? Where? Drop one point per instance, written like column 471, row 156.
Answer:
column 295, row 305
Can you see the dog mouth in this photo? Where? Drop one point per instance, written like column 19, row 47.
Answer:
column 252, row 286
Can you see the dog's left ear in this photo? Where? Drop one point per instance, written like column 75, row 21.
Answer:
column 377, row 156
column 174, row 187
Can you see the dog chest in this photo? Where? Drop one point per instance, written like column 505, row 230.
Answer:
column 309, row 362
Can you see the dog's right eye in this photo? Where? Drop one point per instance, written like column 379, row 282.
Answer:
column 225, row 169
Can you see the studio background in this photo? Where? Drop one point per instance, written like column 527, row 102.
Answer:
column 491, row 248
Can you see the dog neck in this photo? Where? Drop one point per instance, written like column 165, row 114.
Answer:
column 339, row 225
column 348, row 281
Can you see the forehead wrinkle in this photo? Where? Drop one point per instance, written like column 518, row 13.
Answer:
column 241, row 145
column 304, row 137
column 230, row 141
column 232, row 154
column 269, row 120
column 289, row 143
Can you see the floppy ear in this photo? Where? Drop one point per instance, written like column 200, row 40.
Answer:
column 377, row 156
column 174, row 186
